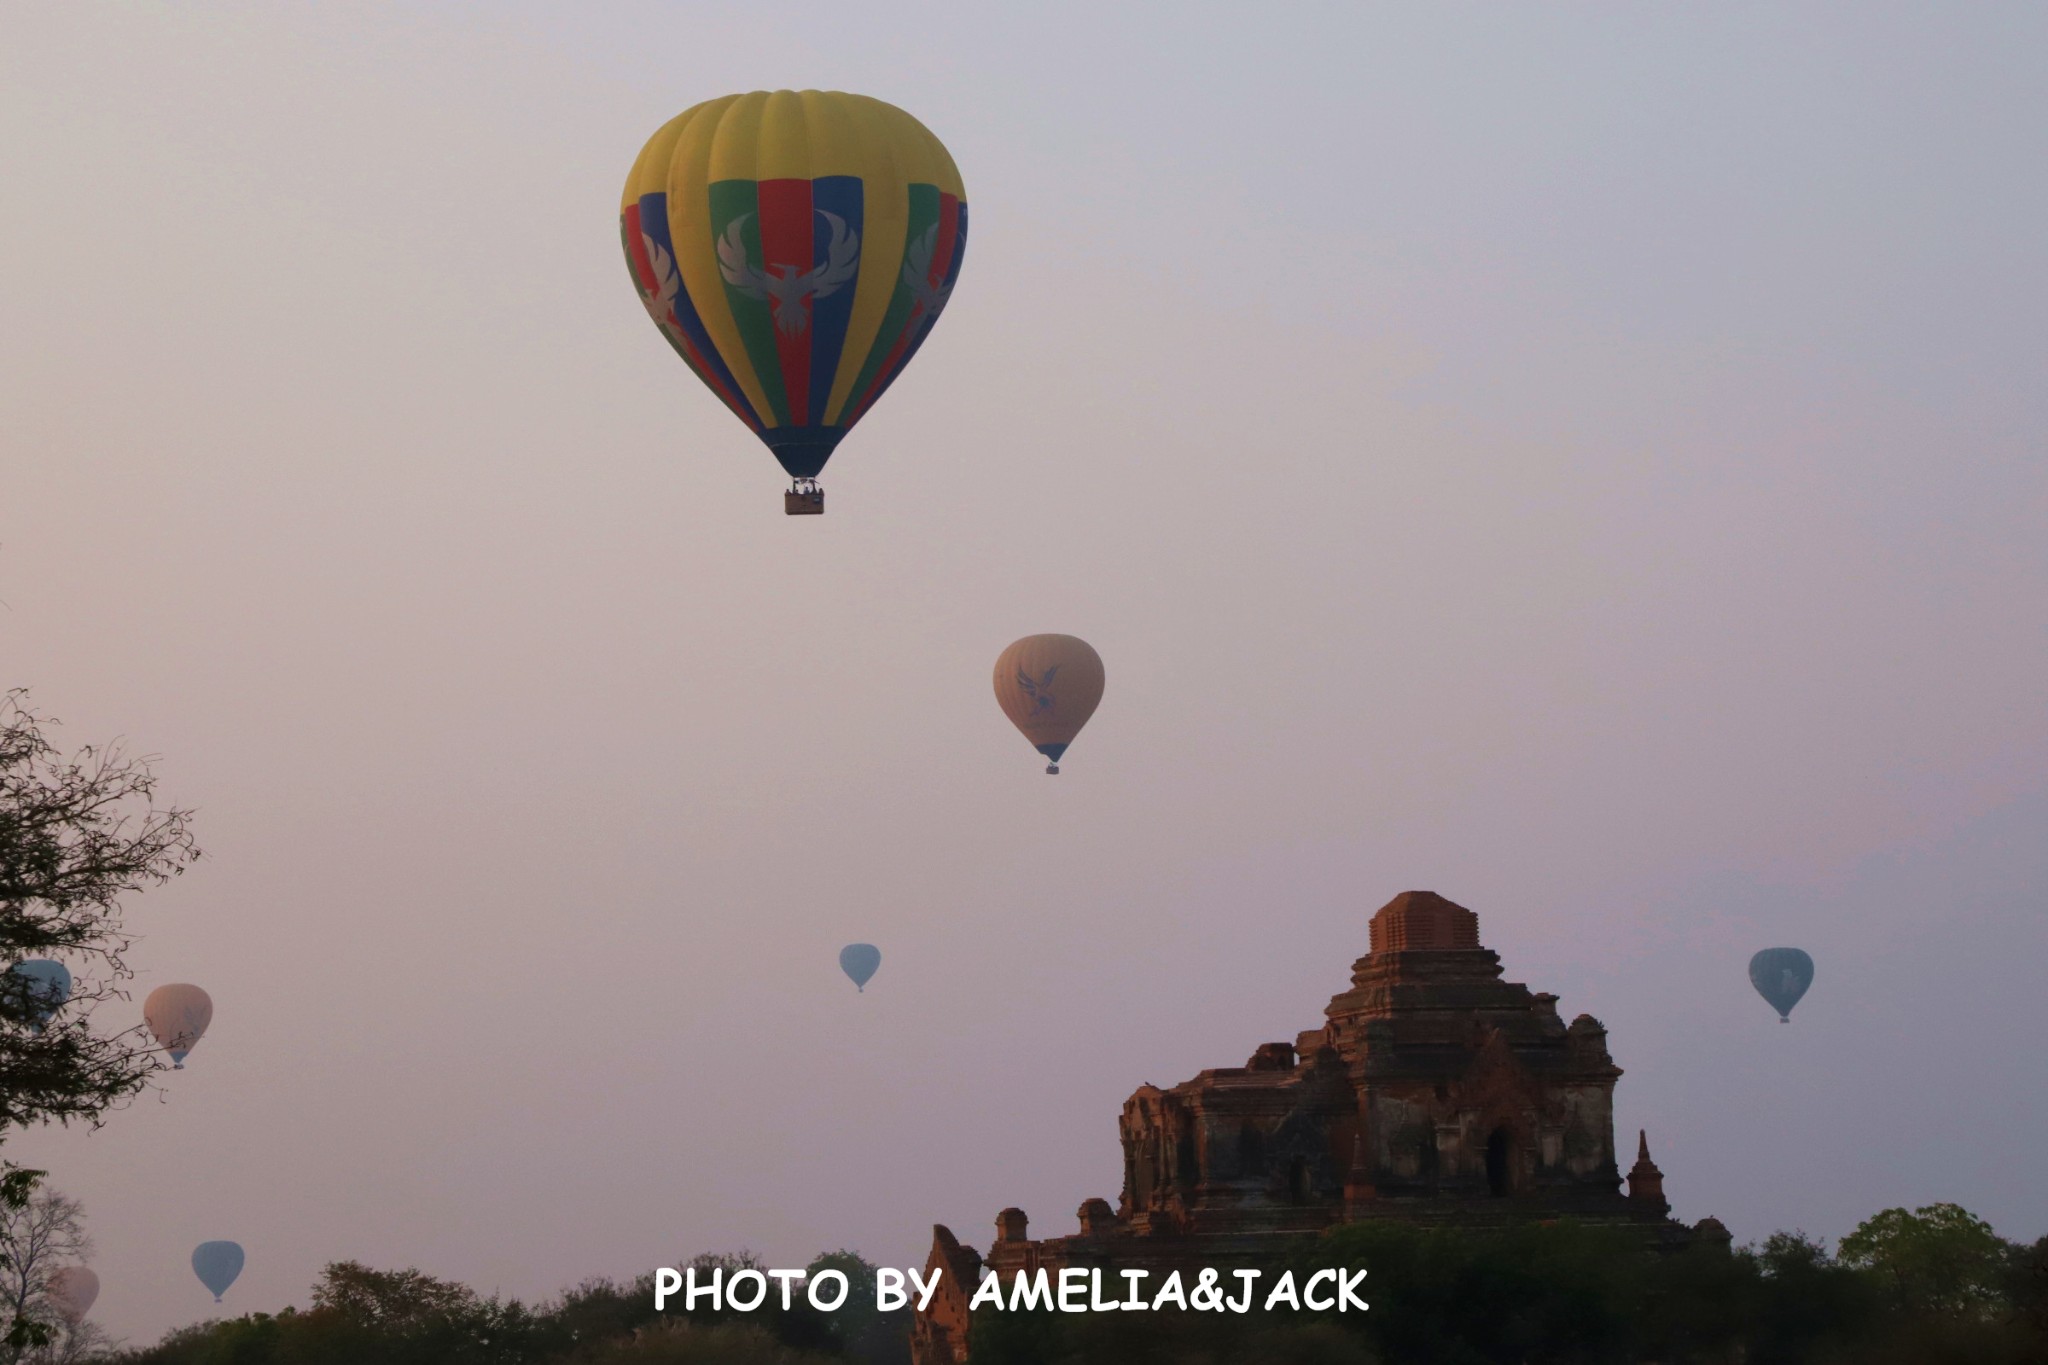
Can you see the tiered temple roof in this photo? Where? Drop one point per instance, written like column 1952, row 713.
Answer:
column 1434, row 1092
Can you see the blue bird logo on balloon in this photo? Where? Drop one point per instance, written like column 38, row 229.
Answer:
column 1040, row 691
column 860, row 961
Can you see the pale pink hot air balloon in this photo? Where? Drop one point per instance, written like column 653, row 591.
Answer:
column 72, row 1291
column 1048, row 685
column 178, row 1015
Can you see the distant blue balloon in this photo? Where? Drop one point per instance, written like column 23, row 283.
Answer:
column 217, row 1264
column 49, row 988
column 1781, row 976
column 860, row 961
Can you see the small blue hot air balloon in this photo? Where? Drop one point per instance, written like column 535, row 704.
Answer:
column 860, row 961
column 49, row 986
column 217, row 1264
column 1781, row 976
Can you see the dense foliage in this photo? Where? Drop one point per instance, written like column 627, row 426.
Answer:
column 39, row 1238
column 78, row 834
column 360, row 1316
column 1932, row 1286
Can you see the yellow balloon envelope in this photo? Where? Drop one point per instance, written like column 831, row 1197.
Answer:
column 1048, row 685
column 795, row 248
column 178, row 1015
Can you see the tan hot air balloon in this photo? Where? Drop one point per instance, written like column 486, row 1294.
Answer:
column 1048, row 685
column 178, row 1015
column 72, row 1291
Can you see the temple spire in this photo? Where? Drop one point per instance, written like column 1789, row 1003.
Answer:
column 1645, row 1181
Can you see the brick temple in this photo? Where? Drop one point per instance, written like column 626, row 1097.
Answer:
column 1434, row 1092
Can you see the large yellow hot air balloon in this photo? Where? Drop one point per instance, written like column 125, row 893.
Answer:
column 795, row 248
column 1048, row 685
column 178, row 1015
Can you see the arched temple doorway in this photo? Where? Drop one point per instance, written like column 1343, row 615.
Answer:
column 1499, row 1154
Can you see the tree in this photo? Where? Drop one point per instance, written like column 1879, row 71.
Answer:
column 396, row 1301
column 1939, row 1259
column 44, row 1234
column 403, row 1316
column 861, row 1331
column 1810, row 1305
column 80, row 1341
column 77, row 834
column 799, row 1326
column 2027, row 1284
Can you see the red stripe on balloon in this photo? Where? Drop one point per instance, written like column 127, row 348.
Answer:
column 787, row 254
column 949, row 233
column 636, row 250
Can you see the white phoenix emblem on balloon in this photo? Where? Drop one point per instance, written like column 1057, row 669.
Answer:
column 784, row 284
column 661, row 305
column 917, row 273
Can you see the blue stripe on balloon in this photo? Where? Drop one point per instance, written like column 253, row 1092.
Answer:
column 832, row 314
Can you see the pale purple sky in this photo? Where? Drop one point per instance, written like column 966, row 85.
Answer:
column 1586, row 462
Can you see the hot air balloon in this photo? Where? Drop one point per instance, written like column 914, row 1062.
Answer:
column 47, row 987
column 72, row 1291
column 178, row 1015
column 860, row 961
column 1048, row 685
column 217, row 1264
column 795, row 248
column 1781, row 976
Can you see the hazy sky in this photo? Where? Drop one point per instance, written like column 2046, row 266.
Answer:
column 1585, row 461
